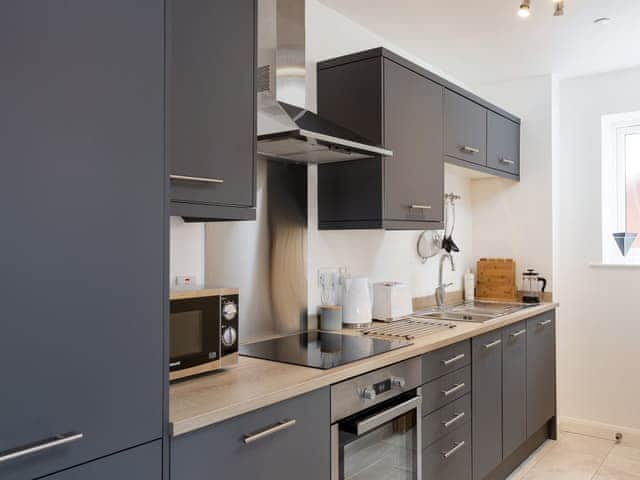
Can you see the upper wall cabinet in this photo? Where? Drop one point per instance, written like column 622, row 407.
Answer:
column 503, row 144
column 465, row 131
column 391, row 104
column 211, row 104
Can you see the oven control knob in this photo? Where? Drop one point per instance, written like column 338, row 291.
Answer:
column 229, row 310
column 369, row 393
column 398, row 382
column 229, row 336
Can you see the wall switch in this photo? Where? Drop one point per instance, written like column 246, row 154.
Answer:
column 185, row 280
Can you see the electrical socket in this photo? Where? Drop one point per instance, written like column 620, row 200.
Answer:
column 185, row 279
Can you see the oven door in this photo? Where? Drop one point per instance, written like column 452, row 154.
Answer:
column 194, row 336
column 381, row 443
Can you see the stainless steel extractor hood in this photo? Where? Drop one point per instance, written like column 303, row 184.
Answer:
column 287, row 131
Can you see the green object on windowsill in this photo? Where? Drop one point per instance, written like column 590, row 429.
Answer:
column 625, row 241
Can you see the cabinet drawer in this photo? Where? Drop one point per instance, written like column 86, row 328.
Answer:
column 256, row 446
column 503, row 144
column 465, row 129
column 446, row 389
column 449, row 458
column 449, row 418
column 446, row 360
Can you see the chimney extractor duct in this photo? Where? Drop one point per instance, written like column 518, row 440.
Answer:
column 285, row 130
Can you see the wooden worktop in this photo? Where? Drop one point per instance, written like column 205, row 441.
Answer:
column 256, row 383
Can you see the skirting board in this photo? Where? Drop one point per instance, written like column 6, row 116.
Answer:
column 630, row 436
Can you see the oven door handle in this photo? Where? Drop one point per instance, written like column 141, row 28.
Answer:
column 374, row 421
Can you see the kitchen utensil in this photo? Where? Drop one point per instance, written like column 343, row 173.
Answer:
column 409, row 329
column 330, row 317
column 429, row 244
column 496, row 279
column 391, row 301
column 533, row 286
column 624, row 240
column 357, row 308
column 450, row 222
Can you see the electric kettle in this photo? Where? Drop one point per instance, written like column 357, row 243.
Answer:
column 533, row 286
column 357, row 308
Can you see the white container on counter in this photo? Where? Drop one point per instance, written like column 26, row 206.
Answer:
column 391, row 301
column 469, row 286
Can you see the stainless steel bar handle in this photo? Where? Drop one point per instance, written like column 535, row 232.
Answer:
column 196, row 179
column 468, row 149
column 280, row 426
column 420, row 207
column 386, row 416
column 46, row 444
column 508, row 161
column 456, row 417
column 453, row 359
column 545, row 323
column 453, row 389
column 458, row 446
column 518, row 333
column 495, row 343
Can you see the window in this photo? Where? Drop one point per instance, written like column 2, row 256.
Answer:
column 620, row 184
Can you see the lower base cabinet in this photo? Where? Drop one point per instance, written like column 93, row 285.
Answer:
column 450, row 457
column 286, row 441
column 140, row 463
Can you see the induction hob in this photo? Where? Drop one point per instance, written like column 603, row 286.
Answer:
column 321, row 350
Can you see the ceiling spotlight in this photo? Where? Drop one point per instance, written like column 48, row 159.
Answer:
column 602, row 20
column 558, row 8
column 525, row 9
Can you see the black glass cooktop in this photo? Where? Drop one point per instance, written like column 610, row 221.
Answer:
column 319, row 349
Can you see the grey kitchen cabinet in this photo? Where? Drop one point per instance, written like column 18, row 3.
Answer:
column 445, row 360
column 465, row 129
column 85, row 231
column 387, row 103
column 211, row 108
column 486, row 403
column 450, row 457
column 541, row 370
column 445, row 420
column 289, row 440
column 446, row 389
column 514, row 387
column 140, row 463
column 503, row 144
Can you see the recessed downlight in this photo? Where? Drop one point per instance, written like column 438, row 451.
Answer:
column 525, row 9
column 602, row 20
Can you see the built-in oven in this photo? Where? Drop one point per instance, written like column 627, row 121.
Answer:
column 203, row 332
column 376, row 431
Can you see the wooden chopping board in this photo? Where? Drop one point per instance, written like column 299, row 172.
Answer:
column 496, row 279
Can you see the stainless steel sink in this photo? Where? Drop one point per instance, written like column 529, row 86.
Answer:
column 476, row 312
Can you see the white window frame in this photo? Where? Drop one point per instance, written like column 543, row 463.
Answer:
column 614, row 184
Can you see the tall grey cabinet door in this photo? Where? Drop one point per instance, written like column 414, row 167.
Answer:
column 541, row 371
column 211, row 108
column 140, row 463
column 486, row 403
column 503, row 144
column 83, row 229
column 465, row 129
column 413, row 126
column 514, row 387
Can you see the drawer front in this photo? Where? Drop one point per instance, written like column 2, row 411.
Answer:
column 465, row 129
column 445, row 420
column 301, row 450
column 445, row 390
column 449, row 458
column 446, row 360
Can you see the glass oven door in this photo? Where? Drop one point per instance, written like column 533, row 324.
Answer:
column 382, row 443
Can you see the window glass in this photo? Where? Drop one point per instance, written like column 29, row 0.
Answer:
column 632, row 183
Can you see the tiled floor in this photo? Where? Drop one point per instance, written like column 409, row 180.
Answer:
column 578, row 457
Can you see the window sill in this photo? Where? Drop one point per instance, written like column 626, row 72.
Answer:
column 615, row 265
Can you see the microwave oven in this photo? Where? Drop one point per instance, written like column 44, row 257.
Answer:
column 203, row 331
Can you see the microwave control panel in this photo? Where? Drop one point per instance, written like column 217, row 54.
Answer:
column 229, row 315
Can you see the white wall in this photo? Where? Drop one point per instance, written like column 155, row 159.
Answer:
column 600, row 322
column 514, row 219
column 186, row 254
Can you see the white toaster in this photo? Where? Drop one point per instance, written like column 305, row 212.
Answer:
column 391, row 301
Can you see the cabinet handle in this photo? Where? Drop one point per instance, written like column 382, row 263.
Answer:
column 518, row 333
column 469, row 149
column 544, row 323
column 456, row 417
column 196, row 179
column 508, row 161
column 458, row 446
column 453, row 389
column 453, row 359
column 495, row 343
column 280, row 426
column 421, row 207
column 46, row 444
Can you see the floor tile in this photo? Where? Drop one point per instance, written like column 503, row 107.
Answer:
column 559, row 464
column 524, row 468
column 622, row 463
column 598, row 447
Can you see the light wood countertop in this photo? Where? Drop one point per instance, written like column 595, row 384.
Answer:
column 198, row 292
column 255, row 383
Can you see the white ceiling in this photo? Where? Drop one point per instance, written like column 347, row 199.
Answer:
column 484, row 40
